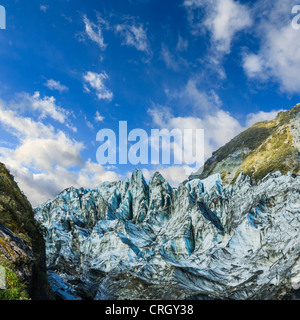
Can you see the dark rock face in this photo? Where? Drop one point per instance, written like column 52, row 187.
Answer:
column 203, row 240
column 22, row 247
column 18, row 252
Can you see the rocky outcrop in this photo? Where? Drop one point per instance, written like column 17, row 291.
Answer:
column 18, row 252
column 203, row 240
column 22, row 247
column 267, row 146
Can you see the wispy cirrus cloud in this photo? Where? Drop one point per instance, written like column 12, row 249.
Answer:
column 94, row 31
column 133, row 34
column 182, row 44
column 128, row 29
column 169, row 59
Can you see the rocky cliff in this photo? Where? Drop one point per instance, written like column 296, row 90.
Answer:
column 22, row 247
column 267, row 146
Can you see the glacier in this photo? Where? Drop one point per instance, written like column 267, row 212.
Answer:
column 202, row 240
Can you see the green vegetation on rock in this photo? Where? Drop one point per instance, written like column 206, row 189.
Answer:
column 14, row 289
column 22, row 248
column 267, row 146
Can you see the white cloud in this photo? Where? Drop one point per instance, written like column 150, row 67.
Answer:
column 45, row 160
column 44, row 154
column 69, row 19
column 253, row 65
column 133, row 35
column 98, row 117
column 173, row 60
column 44, row 8
column 219, row 127
column 44, row 106
column 96, row 82
column 26, row 127
column 223, row 18
column 92, row 174
column 278, row 57
column 56, row 85
column 195, row 99
column 228, row 18
column 182, row 45
column 39, row 187
column 89, row 124
column 169, row 59
column 94, row 32
column 202, row 111
column 41, row 145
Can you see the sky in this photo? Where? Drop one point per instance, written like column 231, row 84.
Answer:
column 69, row 68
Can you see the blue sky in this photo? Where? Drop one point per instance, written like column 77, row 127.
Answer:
column 69, row 68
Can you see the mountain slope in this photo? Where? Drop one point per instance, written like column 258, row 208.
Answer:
column 207, row 239
column 204, row 240
column 22, row 248
column 267, row 146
